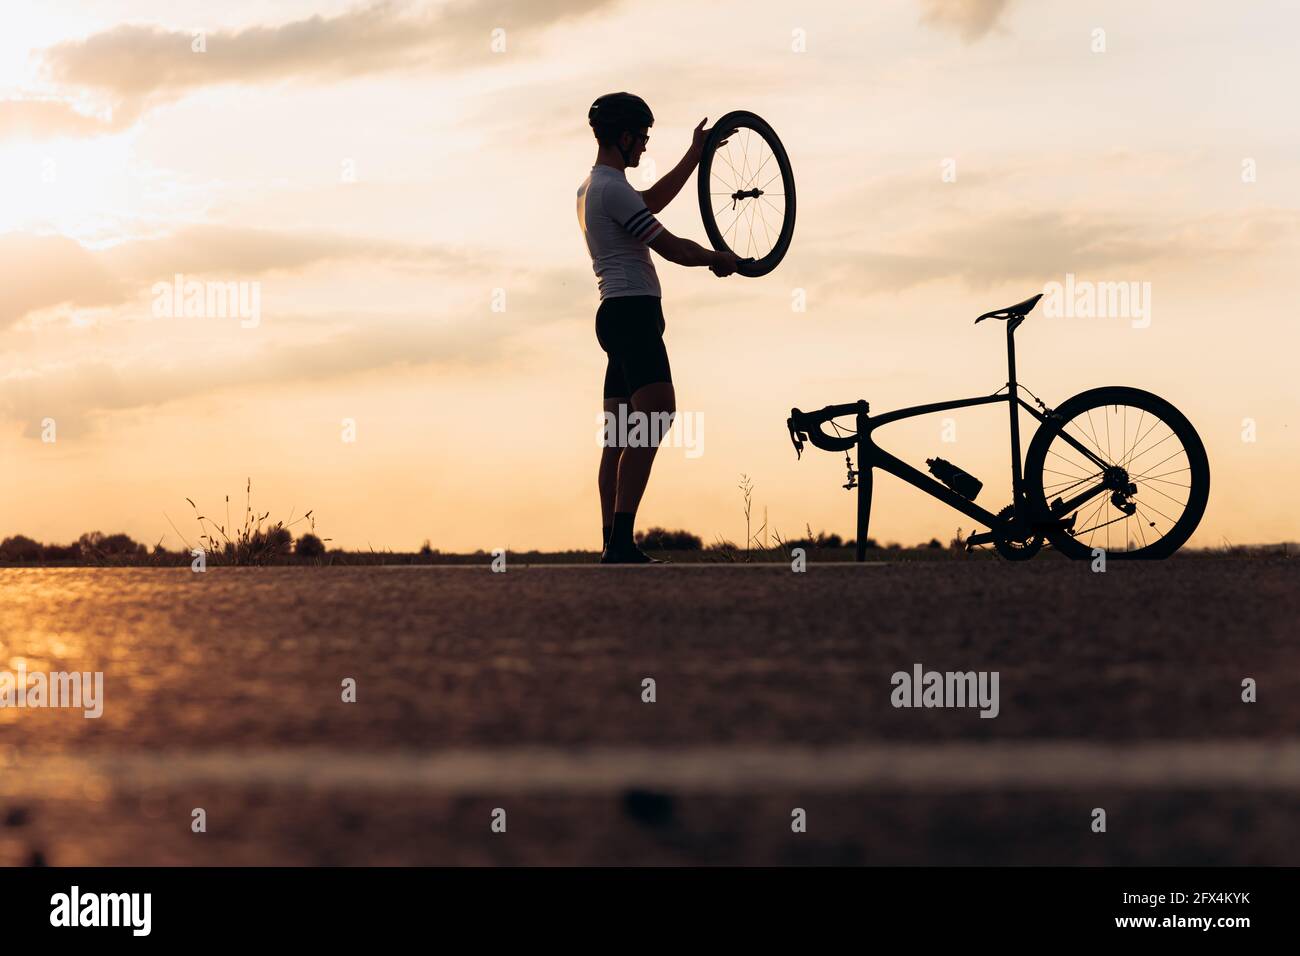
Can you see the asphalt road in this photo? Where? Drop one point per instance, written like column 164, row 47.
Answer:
column 523, row 692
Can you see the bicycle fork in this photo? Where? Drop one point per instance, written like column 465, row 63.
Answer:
column 866, row 479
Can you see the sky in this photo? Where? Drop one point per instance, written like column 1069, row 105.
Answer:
column 395, row 182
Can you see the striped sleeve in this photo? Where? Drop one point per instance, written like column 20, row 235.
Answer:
column 625, row 206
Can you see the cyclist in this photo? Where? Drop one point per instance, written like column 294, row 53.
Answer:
column 619, row 226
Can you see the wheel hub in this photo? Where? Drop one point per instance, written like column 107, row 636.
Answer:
column 1122, row 490
column 1116, row 478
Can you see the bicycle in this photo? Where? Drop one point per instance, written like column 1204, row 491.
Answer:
column 1062, row 476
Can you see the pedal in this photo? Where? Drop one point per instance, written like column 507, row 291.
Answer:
column 984, row 537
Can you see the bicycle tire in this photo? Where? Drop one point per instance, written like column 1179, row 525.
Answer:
column 1198, row 468
column 741, row 120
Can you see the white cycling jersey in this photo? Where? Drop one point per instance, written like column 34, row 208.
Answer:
column 618, row 228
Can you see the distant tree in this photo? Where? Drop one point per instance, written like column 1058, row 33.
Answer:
column 660, row 539
column 119, row 545
column 871, row 544
column 89, row 542
column 20, row 548
column 309, row 546
column 935, row 545
column 98, row 546
column 815, row 542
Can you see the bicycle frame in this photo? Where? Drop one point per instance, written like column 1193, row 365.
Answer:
column 871, row 456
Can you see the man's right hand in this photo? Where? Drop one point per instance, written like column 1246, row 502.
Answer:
column 723, row 264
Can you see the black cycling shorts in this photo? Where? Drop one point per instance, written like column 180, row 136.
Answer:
column 630, row 329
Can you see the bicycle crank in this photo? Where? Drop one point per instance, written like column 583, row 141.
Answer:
column 1009, row 537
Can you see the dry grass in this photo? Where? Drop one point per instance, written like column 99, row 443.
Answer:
column 254, row 542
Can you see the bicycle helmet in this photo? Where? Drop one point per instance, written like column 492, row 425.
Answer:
column 615, row 113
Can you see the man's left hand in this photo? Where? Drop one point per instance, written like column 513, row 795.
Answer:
column 698, row 137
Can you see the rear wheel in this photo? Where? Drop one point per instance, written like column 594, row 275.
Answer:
column 1120, row 469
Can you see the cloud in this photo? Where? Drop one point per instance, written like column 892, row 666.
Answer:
column 217, row 249
column 969, row 19
column 47, row 271
column 76, row 393
column 130, row 365
column 293, row 351
column 1034, row 247
column 133, row 67
column 41, row 118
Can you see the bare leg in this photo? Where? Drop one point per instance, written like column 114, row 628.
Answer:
column 607, row 477
column 635, row 463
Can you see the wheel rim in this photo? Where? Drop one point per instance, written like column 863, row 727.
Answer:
column 1137, row 466
column 747, row 193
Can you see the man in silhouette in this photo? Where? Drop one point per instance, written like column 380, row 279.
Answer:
column 619, row 226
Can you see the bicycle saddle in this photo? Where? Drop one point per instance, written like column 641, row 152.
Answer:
column 1020, row 309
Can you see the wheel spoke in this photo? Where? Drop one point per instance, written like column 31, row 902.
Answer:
column 1109, row 457
column 766, row 234
column 760, row 169
column 744, row 160
column 1129, row 464
column 1065, row 460
column 1095, row 440
column 1163, row 473
column 1134, row 453
column 1079, row 428
column 1171, row 522
column 731, row 164
column 1176, row 484
column 1159, row 463
column 1096, row 511
column 735, row 219
column 1065, row 474
column 1182, row 504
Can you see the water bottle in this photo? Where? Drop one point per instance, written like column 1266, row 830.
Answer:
column 968, row 486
